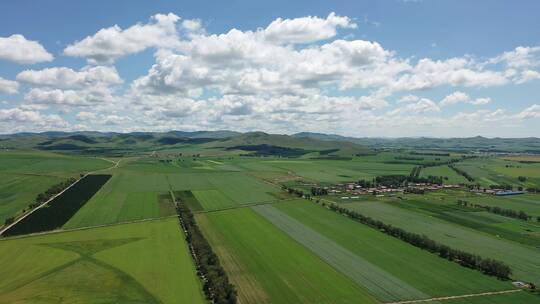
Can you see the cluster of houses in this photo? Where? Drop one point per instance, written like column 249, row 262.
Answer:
column 498, row 192
column 353, row 190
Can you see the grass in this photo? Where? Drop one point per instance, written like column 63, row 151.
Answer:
column 267, row 266
column 445, row 171
column 17, row 191
column 212, row 199
column 60, row 209
column 25, row 174
column 524, row 260
column 134, row 263
column 389, row 268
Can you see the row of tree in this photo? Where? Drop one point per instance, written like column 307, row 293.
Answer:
column 216, row 284
column 486, row 265
column 315, row 191
column 293, row 191
column 522, row 215
column 44, row 196
column 462, row 173
column 52, row 191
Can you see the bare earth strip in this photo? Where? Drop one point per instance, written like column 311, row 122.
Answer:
column 380, row 283
column 456, row 297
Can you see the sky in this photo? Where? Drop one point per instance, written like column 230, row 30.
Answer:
column 380, row 68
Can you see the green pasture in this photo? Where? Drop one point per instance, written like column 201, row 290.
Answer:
column 524, row 260
column 134, row 263
column 389, row 268
column 267, row 266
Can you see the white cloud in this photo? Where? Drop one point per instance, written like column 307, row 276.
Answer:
column 530, row 112
column 519, row 58
column 66, row 78
column 111, row 43
column 459, row 96
column 306, row 29
column 19, row 120
column 454, row 98
column 18, row 49
column 8, row 86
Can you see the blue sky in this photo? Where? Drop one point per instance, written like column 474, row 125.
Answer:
column 358, row 68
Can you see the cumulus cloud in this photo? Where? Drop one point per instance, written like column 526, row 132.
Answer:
column 461, row 97
column 111, row 43
column 8, row 86
column 18, row 49
column 18, row 120
column 306, row 29
column 67, row 78
column 530, row 112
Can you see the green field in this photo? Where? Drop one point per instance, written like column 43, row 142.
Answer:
column 524, row 260
column 450, row 176
column 133, row 263
column 371, row 258
column 495, row 171
column 24, row 174
column 267, row 266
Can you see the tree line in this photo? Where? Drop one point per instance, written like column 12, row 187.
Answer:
column 44, row 196
column 462, row 173
column 486, row 265
column 216, row 284
column 522, row 215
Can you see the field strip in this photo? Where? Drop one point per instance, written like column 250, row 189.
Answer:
column 456, row 297
column 377, row 281
column 58, row 194
column 87, row 227
column 245, row 205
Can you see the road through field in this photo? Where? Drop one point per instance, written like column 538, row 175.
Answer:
column 116, row 163
column 456, row 297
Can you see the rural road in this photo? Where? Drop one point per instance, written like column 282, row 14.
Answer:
column 116, row 163
column 456, row 297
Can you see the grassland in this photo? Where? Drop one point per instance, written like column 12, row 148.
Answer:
column 24, row 174
column 450, row 176
column 524, row 260
column 133, row 263
column 494, row 171
column 267, row 266
column 369, row 256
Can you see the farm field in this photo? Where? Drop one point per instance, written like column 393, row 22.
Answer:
column 133, row 263
column 60, row 209
column 267, row 266
column 523, row 259
column 445, row 171
column 493, row 171
column 379, row 257
column 24, row 174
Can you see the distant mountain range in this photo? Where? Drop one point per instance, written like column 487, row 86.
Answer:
column 254, row 142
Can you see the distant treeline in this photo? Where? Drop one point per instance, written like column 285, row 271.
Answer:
column 429, row 153
column 486, row 265
column 61, row 208
column 522, row 215
column 462, row 173
column 216, row 284
column 269, row 150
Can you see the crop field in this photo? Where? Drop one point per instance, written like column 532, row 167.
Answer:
column 371, row 258
column 267, row 266
column 446, row 172
column 132, row 263
column 524, row 260
column 500, row 171
column 24, row 174
column 124, row 244
column 58, row 211
column 18, row 191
